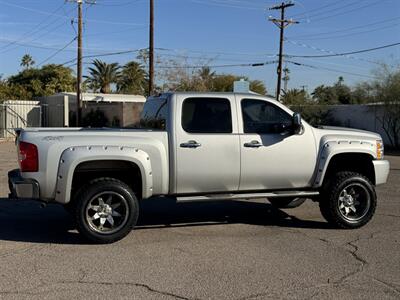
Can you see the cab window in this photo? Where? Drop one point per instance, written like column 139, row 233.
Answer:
column 264, row 117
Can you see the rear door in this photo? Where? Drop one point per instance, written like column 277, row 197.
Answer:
column 208, row 151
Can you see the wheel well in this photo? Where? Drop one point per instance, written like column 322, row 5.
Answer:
column 125, row 171
column 354, row 162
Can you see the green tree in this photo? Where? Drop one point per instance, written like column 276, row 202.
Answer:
column 102, row 75
column 206, row 78
column 49, row 79
column 342, row 91
column 224, row 83
column 27, row 61
column 325, row 95
column 258, row 87
column 132, row 79
column 295, row 97
column 363, row 92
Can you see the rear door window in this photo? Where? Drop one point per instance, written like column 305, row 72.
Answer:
column 207, row 115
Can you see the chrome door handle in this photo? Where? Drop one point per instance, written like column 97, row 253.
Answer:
column 253, row 144
column 190, row 144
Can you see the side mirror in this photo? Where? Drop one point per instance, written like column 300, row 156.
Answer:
column 297, row 126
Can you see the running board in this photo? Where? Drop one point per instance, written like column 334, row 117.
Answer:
column 278, row 194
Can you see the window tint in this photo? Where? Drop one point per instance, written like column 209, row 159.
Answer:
column 154, row 114
column 264, row 117
column 207, row 115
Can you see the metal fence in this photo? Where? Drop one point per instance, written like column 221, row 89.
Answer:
column 18, row 114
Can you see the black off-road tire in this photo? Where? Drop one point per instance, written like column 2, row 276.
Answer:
column 287, row 202
column 102, row 186
column 329, row 200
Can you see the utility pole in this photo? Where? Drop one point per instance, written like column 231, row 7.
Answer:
column 151, row 49
column 79, row 66
column 282, row 24
column 286, row 78
column 79, row 61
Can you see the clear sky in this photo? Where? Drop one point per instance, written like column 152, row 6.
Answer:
column 224, row 32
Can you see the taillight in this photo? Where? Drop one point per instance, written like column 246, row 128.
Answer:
column 28, row 157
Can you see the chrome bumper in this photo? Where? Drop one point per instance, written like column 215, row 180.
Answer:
column 381, row 168
column 21, row 188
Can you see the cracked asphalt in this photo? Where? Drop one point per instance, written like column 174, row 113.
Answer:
column 217, row 250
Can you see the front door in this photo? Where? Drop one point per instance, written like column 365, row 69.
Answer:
column 272, row 157
column 208, row 152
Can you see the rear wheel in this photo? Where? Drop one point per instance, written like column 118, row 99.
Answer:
column 106, row 210
column 287, row 202
column 348, row 201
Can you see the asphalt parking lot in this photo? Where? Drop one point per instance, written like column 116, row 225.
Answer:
column 218, row 250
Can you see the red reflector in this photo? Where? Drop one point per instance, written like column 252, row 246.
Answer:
column 28, row 157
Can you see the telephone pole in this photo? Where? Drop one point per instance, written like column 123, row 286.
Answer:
column 286, row 78
column 151, row 49
column 79, row 66
column 79, row 61
column 281, row 24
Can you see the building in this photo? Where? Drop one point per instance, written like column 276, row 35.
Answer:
column 116, row 110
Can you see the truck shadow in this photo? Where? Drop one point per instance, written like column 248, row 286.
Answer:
column 25, row 221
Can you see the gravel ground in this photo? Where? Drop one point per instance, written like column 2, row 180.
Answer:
column 218, row 250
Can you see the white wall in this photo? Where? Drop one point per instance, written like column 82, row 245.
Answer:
column 360, row 117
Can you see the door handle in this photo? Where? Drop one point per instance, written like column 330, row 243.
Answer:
column 190, row 144
column 253, row 144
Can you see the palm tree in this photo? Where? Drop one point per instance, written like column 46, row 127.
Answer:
column 133, row 79
column 206, row 78
column 27, row 61
column 102, row 76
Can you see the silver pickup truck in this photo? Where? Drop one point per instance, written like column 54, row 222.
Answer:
column 200, row 146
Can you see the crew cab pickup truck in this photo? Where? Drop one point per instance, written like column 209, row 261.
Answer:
column 200, row 146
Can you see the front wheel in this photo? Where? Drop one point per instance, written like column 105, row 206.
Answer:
column 106, row 210
column 348, row 201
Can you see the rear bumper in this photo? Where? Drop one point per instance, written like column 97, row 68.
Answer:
column 381, row 168
column 22, row 188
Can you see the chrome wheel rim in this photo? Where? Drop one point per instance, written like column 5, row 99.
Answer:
column 107, row 212
column 354, row 202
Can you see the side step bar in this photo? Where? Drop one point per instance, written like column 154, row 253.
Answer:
column 213, row 197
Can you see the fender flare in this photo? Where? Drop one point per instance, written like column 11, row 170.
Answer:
column 333, row 148
column 73, row 156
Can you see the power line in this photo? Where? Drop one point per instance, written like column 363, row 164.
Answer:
column 351, row 34
column 58, row 51
column 330, row 69
column 34, row 29
column 118, row 4
column 319, row 8
column 103, row 54
column 347, row 12
column 330, row 52
column 62, row 16
column 348, row 53
column 260, row 64
column 346, row 6
column 345, row 29
column 228, row 4
column 38, row 37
